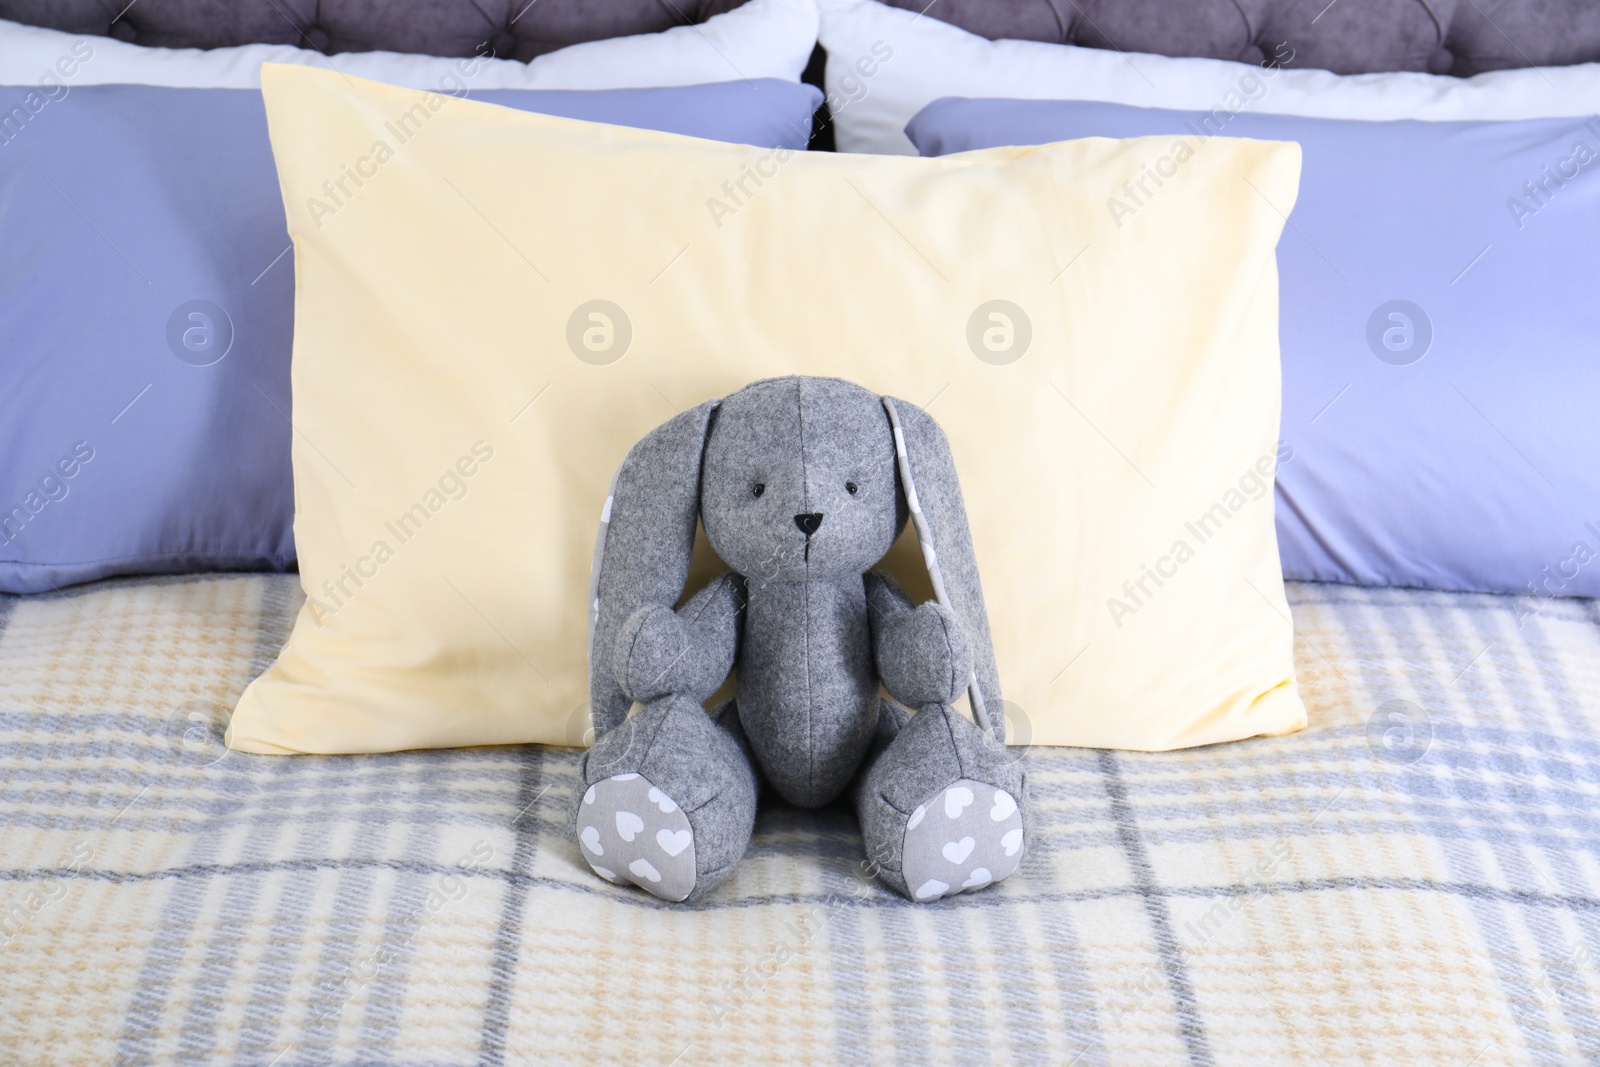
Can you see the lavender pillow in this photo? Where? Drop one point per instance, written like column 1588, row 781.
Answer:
column 146, row 296
column 1440, row 326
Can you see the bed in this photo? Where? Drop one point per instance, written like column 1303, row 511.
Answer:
column 1411, row 879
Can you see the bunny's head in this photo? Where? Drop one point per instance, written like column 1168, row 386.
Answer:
column 799, row 481
column 796, row 480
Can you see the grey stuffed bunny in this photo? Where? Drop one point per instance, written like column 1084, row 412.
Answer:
column 802, row 485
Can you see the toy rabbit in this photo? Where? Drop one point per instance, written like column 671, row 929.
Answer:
column 802, row 485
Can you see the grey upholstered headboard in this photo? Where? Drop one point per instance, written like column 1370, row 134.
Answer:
column 1461, row 37
column 1348, row 36
column 514, row 29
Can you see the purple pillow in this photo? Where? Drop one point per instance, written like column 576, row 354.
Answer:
column 146, row 312
column 1440, row 327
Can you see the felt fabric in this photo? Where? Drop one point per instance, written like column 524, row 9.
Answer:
column 935, row 751
column 784, row 457
column 920, row 652
column 690, row 651
column 941, row 518
column 799, row 486
column 649, row 535
column 697, row 764
column 808, row 694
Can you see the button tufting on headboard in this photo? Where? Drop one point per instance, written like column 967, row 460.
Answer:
column 1459, row 37
column 513, row 29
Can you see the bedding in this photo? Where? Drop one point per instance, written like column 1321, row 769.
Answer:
column 470, row 369
column 1410, row 880
column 761, row 39
column 886, row 64
column 1438, row 324
column 146, row 305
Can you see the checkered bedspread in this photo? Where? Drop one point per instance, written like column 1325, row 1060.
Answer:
column 1414, row 879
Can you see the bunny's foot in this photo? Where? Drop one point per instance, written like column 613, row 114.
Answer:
column 941, row 806
column 666, row 801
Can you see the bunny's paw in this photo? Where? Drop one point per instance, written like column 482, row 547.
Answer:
column 966, row 836
column 923, row 656
column 943, row 807
column 631, row 831
column 666, row 801
column 687, row 653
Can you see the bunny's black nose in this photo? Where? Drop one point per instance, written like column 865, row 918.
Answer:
column 808, row 522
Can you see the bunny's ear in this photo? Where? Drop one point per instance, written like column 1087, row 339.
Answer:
column 933, row 496
column 641, row 555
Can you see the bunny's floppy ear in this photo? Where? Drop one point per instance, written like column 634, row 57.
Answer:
column 933, row 496
column 641, row 554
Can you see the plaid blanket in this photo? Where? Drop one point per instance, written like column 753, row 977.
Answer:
column 1414, row 879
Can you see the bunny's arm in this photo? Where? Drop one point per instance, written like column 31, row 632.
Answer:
column 921, row 653
column 688, row 652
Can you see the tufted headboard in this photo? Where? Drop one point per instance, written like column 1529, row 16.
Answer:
column 1460, row 37
column 514, row 29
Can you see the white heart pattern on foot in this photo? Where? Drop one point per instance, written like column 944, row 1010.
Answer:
column 628, row 825
column 641, row 832
column 673, row 843
column 1004, row 805
column 965, row 836
column 956, row 851
column 956, row 798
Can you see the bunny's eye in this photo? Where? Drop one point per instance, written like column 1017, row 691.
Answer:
column 758, row 488
column 851, row 488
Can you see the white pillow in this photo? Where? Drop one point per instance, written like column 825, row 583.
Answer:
column 885, row 65
column 762, row 39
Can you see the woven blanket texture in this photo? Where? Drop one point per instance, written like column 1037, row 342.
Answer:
column 1413, row 879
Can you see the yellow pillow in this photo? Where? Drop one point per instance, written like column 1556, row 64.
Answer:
column 506, row 301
